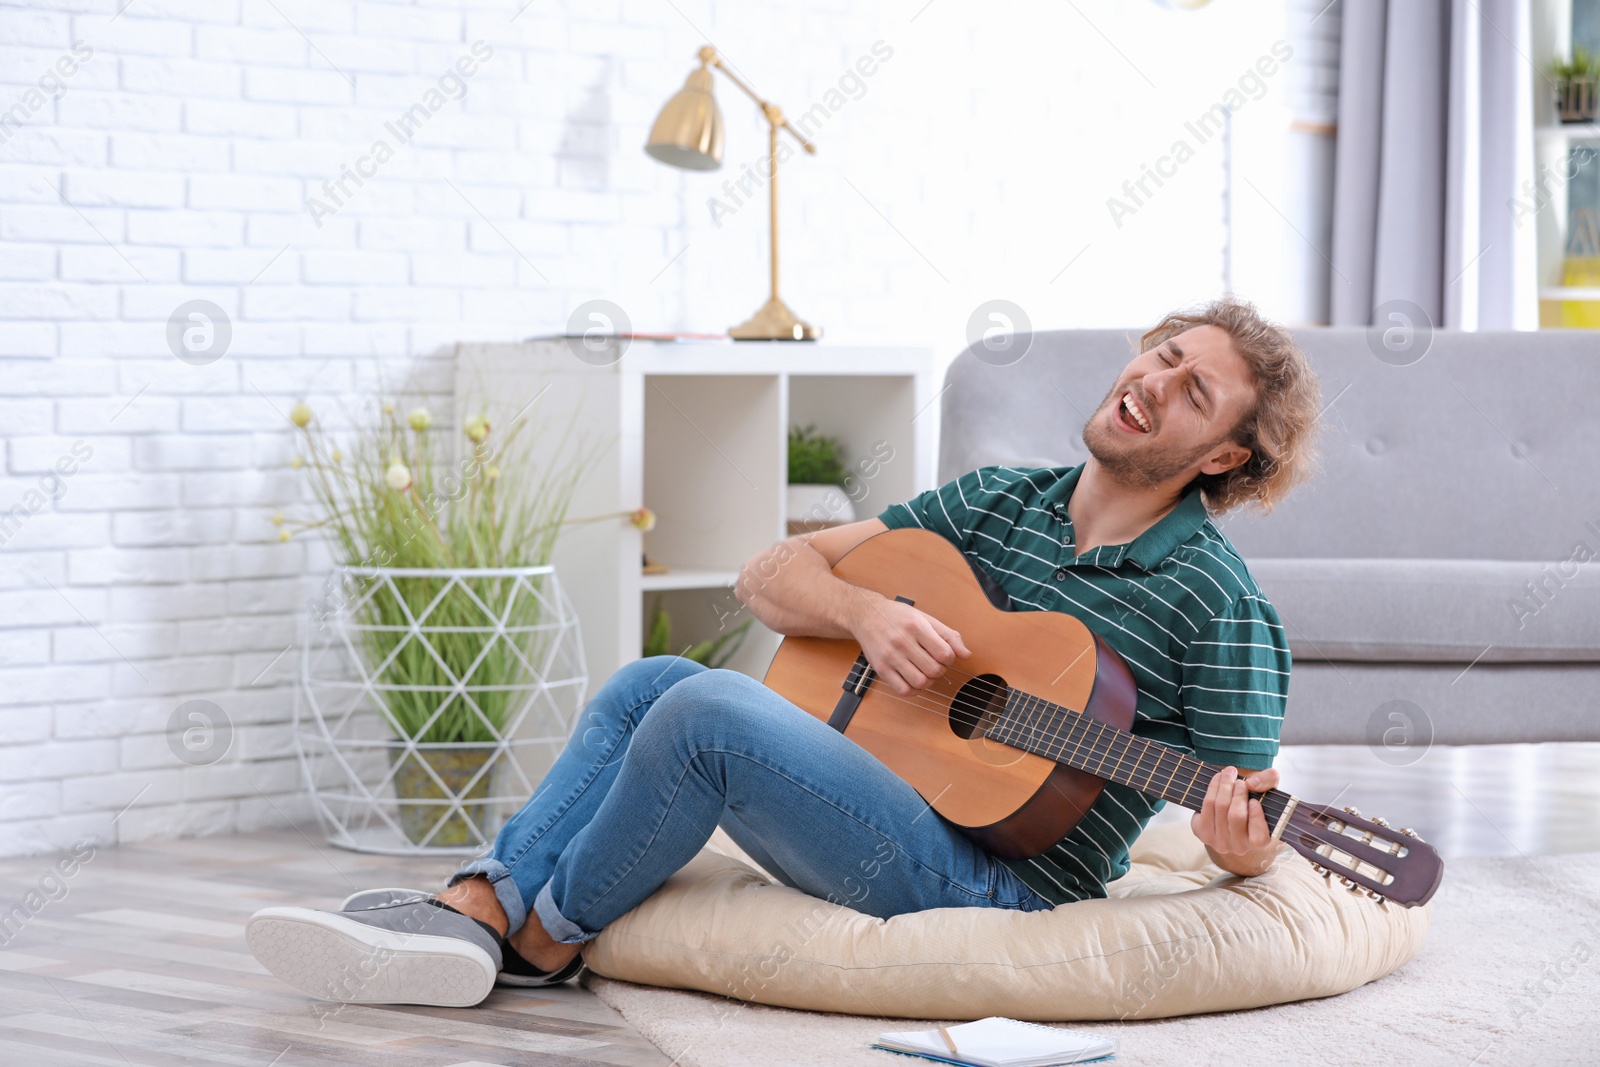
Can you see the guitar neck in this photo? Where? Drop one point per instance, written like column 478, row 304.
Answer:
column 1036, row 725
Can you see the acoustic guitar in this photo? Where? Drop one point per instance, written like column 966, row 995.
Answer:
column 1014, row 744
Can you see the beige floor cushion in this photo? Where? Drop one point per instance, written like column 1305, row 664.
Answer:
column 1177, row 936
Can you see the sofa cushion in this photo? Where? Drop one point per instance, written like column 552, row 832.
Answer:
column 1403, row 711
column 1484, row 449
column 1440, row 610
column 1176, row 936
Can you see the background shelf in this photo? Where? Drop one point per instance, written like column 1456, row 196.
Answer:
column 1565, row 186
column 699, row 434
column 1569, row 131
column 688, row 578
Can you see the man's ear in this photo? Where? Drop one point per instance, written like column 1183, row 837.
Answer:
column 1227, row 456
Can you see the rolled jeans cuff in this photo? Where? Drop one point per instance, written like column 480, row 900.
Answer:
column 505, row 889
column 556, row 924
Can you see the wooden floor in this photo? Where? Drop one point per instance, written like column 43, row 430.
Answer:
column 143, row 960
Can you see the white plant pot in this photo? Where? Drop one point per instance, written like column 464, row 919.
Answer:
column 820, row 504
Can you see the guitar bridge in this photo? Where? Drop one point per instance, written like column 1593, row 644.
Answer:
column 855, row 686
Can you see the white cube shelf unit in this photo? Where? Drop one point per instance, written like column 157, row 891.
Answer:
column 698, row 433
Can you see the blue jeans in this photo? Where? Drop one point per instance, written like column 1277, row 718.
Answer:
column 667, row 751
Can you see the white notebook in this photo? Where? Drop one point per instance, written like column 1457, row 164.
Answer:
column 997, row 1042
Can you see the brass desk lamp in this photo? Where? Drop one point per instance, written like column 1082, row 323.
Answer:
column 688, row 134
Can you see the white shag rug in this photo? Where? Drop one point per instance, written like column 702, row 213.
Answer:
column 1510, row 974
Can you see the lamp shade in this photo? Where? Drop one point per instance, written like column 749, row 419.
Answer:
column 688, row 132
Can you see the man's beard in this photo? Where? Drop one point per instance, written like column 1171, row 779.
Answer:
column 1144, row 470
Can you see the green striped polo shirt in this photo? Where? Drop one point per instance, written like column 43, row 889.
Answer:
column 1207, row 650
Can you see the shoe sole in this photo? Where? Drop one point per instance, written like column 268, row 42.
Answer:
column 338, row 959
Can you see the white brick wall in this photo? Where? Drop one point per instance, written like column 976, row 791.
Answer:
column 176, row 162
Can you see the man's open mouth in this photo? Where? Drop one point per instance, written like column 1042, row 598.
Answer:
column 1130, row 416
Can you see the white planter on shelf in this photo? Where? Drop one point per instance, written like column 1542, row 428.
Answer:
column 812, row 507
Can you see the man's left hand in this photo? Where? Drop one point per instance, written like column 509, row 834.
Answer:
column 1230, row 822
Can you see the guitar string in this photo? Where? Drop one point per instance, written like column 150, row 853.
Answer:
column 1100, row 744
column 1273, row 802
column 1302, row 821
column 1100, row 738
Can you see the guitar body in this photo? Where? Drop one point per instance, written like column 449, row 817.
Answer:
column 1013, row 803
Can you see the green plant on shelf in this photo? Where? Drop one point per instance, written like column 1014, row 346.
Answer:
column 814, row 459
column 713, row 652
column 1583, row 64
column 1575, row 83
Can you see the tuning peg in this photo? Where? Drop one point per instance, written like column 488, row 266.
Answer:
column 1353, row 811
column 1409, row 832
column 1380, row 820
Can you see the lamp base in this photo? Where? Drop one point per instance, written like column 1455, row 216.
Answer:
column 775, row 322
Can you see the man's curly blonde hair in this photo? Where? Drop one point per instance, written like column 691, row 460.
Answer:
column 1281, row 429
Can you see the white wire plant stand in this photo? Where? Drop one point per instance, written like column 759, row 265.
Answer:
column 431, row 701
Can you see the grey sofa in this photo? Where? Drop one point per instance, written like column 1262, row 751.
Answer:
column 1435, row 578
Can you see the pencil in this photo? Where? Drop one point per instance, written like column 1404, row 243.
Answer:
column 946, row 1035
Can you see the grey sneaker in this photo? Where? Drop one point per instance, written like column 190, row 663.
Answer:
column 406, row 952
column 519, row 972
column 514, row 970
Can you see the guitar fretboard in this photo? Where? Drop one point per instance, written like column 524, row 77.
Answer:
column 1036, row 725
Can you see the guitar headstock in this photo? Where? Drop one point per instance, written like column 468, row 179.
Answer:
column 1366, row 855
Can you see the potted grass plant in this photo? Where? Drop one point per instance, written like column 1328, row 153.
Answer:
column 1575, row 82
column 446, row 605
column 816, row 497
column 713, row 652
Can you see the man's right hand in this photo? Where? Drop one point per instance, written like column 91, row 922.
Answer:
column 908, row 648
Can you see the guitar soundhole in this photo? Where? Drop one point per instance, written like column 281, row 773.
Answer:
column 978, row 705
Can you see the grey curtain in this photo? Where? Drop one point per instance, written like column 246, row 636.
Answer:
column 1434, row 135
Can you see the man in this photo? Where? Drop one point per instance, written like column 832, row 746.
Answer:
column 1218, row 410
